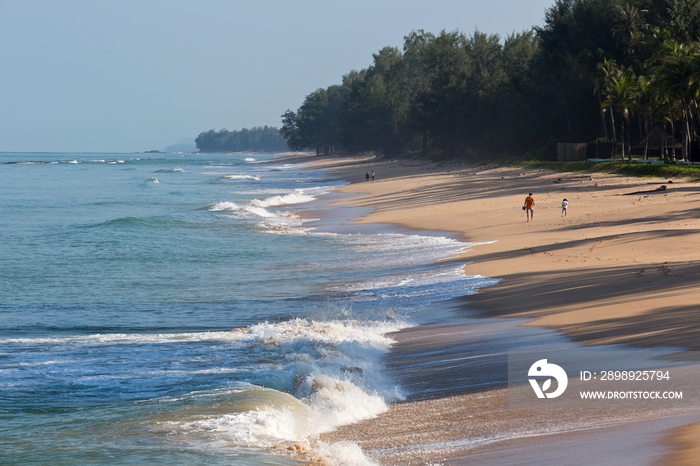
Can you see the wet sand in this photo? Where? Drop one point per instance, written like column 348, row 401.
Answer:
column 621, row 268
column 684, row 446
column 457, row 411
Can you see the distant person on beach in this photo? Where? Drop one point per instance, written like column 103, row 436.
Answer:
column 529, row 207
column 372, row 176
column 564, row 206
column 366, row 176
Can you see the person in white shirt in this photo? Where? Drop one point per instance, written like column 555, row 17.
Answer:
column 564, row 206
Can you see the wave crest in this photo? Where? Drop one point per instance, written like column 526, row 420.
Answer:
column 242, row 177
column 282, row 200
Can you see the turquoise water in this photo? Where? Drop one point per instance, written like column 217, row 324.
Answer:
column 176, row 309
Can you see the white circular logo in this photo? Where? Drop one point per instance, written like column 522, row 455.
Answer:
column 544, row 369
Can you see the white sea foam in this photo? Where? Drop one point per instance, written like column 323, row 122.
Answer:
column 297, row 197
column 273, row 221
column 127, row 338
column 335, row 364
column 260, row 428
column 370, row 334
column 273, row 420
column 335, row 377
column 331, row 366
column 269, row 221
column 293, row 226
column 402, row 268
column 264, row 191
column 260, row 211
column 343, row 454
column 329, row 361
column 339, row 401
column 242, row 177
column 409, row 259
column 224, row 207
column 170, row 170
column 407, row 250
column 33, row 162
column 249, row 159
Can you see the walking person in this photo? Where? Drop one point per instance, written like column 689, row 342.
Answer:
column 529, row 207
column 564, row 207
column 372, row 176
column 366, row 176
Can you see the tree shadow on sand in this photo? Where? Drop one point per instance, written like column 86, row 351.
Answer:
column 539, row 294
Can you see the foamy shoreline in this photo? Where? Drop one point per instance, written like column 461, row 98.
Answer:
column 624, row 239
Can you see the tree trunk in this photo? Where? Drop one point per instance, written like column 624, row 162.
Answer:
column 646, row 134
column 646, row 149
column 629, row 140
column 623, row 140
column 612, row 119
column 673, row 139
column 602, row 116
column 640, row 127
column 686, row 138
column 646, row 125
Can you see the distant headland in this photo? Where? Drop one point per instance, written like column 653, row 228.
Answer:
column 258, row 138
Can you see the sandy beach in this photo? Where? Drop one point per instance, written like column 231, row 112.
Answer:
column 620, row 268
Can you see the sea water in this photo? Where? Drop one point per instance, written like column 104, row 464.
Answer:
column 176, row 309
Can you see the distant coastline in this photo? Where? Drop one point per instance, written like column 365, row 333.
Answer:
column 258, row 138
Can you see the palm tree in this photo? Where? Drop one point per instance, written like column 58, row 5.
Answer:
column 676, row 74
column 620, row 94
column 630, row 26
column 694, row 78
column 606, row 70
column 643, row 107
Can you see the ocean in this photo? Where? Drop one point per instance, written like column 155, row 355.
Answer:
column 184, row 309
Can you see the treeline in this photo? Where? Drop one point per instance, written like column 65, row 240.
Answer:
column 258, row 138
column 595, row 70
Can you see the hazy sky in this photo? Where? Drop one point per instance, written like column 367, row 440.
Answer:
column 101, row 75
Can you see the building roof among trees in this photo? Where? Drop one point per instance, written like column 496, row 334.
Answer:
column 655, row 137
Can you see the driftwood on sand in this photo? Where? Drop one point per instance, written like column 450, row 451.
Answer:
column 648, row 191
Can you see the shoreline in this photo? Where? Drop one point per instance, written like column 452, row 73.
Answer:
column 560, row 273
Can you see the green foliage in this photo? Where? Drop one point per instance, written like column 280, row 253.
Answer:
column 317, row 122
column 596, row 69
column 681, row 18
column 265, row 138
column 375, row 113
column 624, row 168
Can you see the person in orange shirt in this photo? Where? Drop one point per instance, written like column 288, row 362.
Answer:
column 529, row 207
